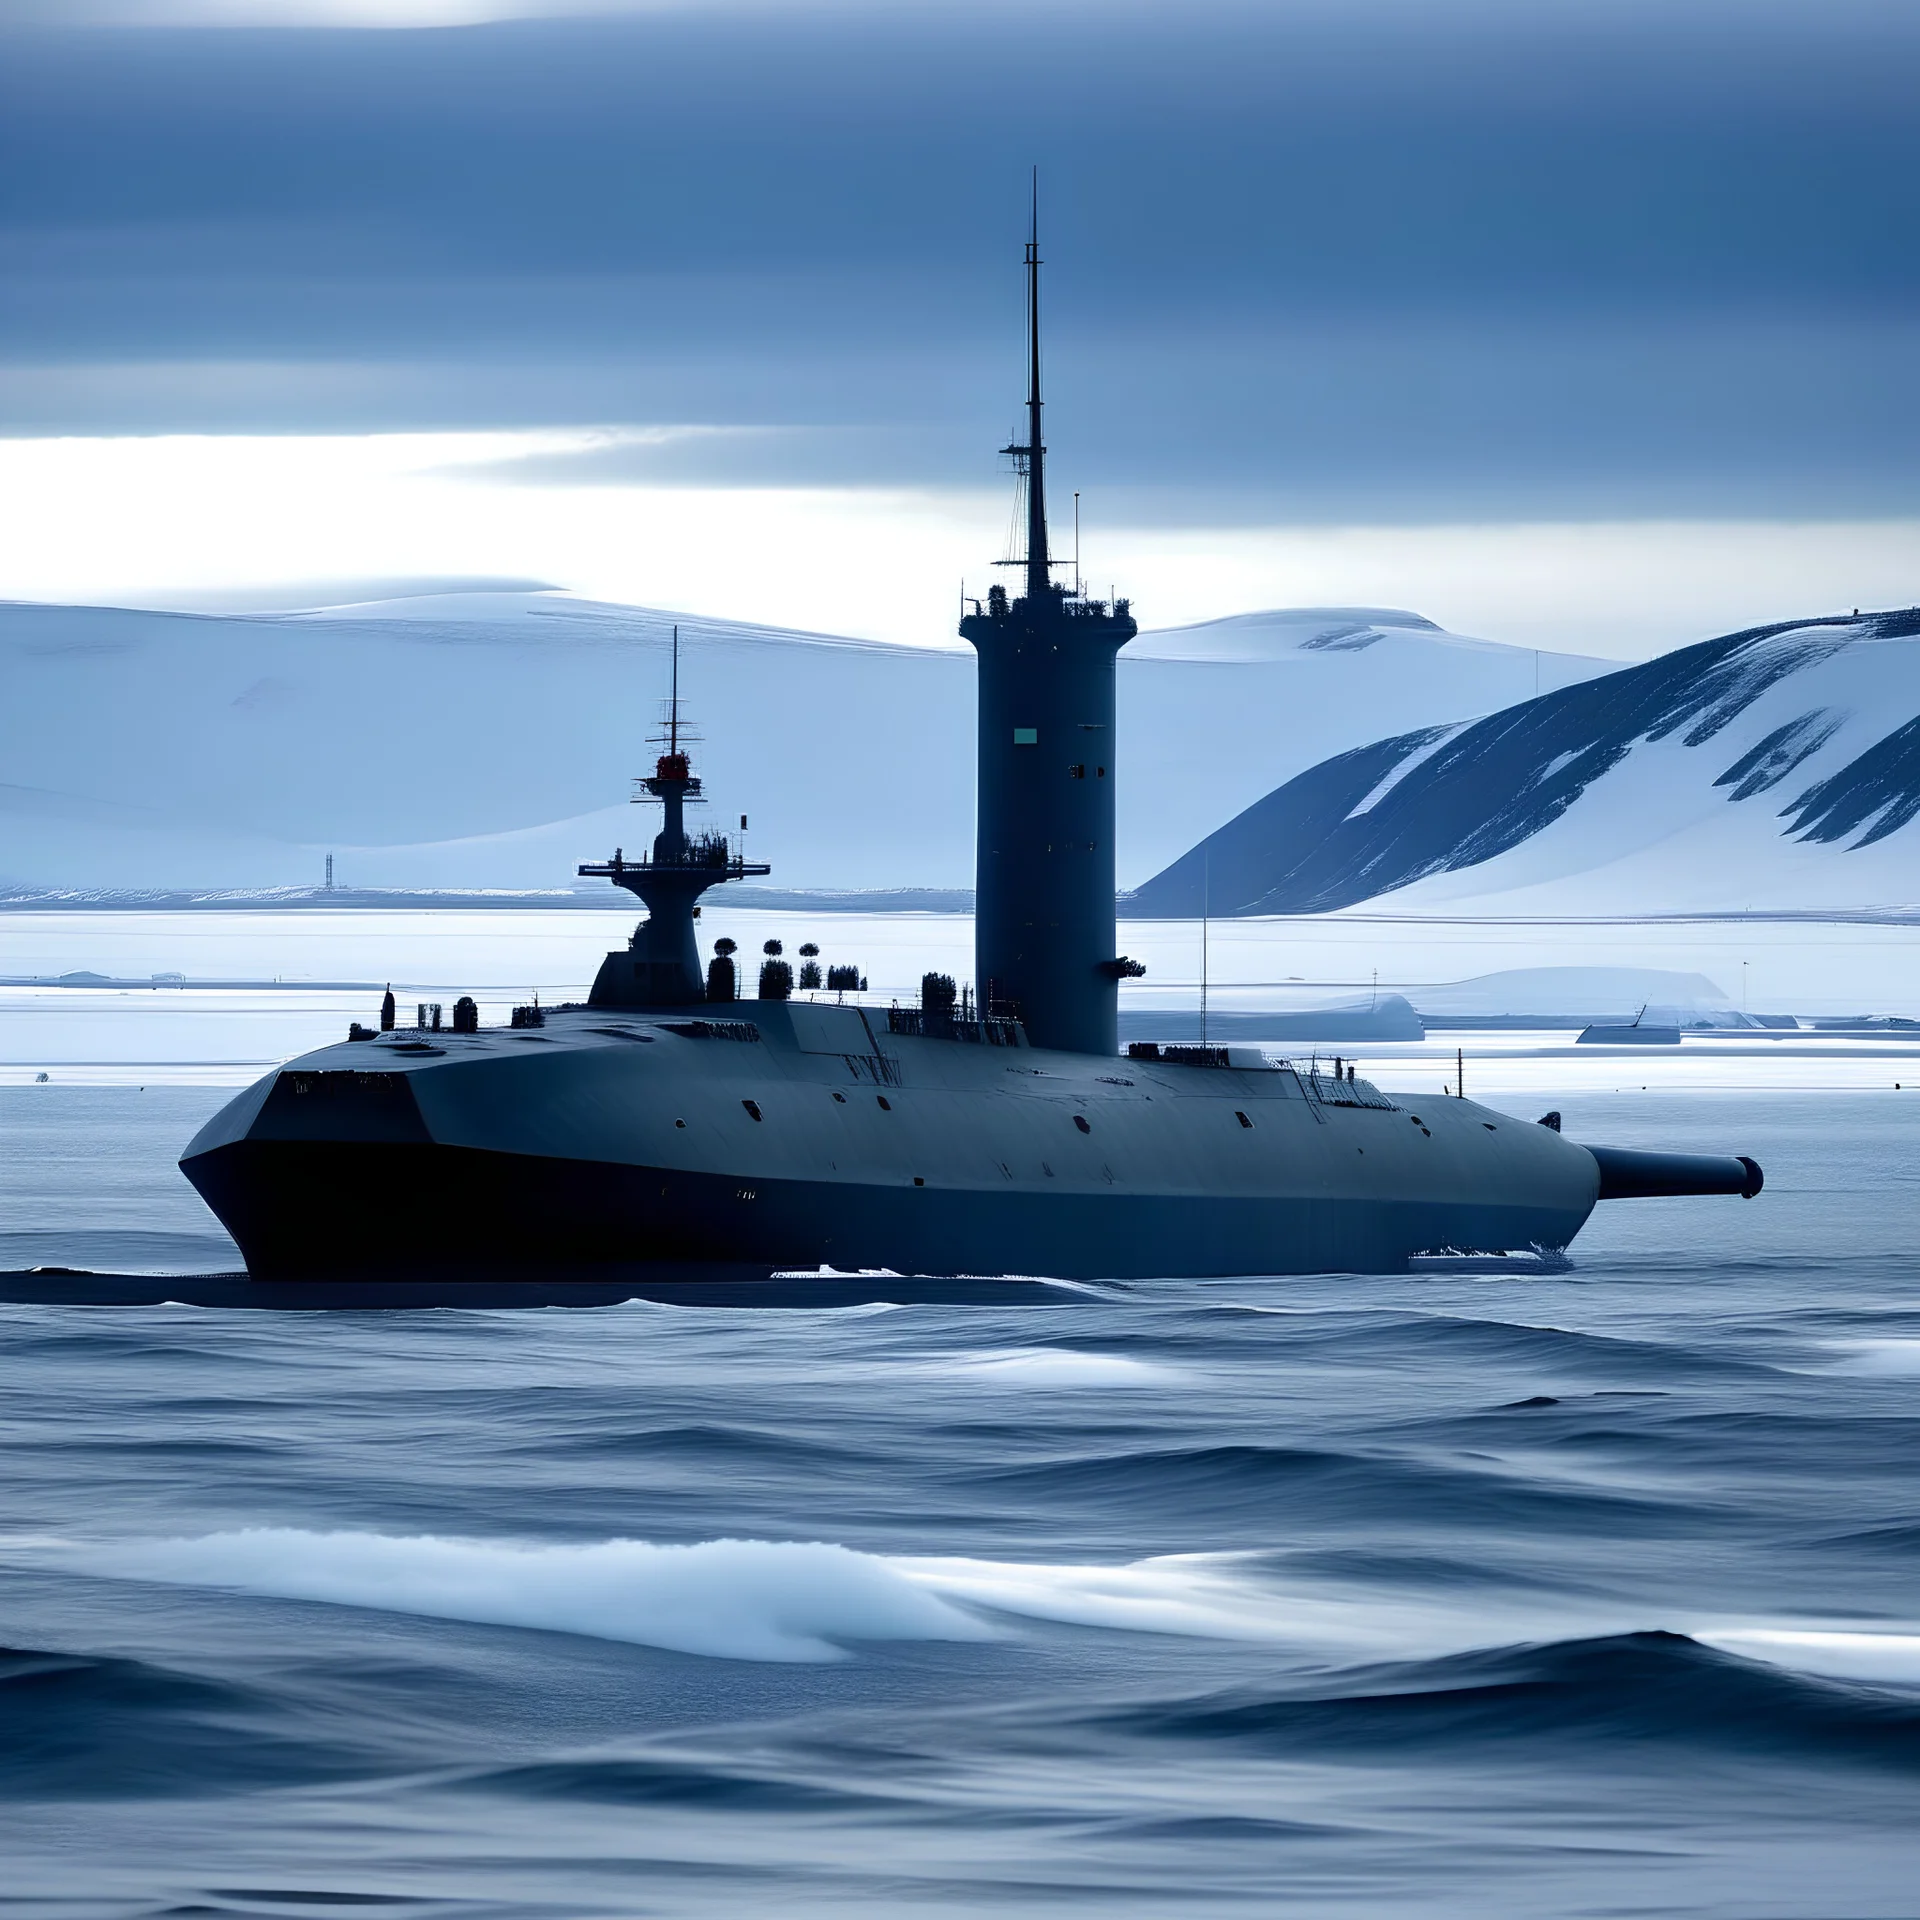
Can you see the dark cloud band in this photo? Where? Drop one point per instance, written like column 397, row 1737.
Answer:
column 1408, row 260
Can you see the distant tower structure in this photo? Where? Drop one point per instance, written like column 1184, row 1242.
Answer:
column 329, row 873
column 1044, row 864
column 660, row 966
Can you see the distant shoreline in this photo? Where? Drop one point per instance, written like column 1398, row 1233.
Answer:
column 954, row 900
column 398, row 899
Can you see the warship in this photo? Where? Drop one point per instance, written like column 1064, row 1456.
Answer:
column 992, row 1129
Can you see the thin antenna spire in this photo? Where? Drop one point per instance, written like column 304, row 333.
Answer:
column 1039, row 572
column 673, row 703
column 1206, row 914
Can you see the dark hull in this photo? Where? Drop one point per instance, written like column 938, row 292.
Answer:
column 307, row 1208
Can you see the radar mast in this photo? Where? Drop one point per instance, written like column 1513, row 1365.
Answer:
column 1044, row 857
column 661, row 964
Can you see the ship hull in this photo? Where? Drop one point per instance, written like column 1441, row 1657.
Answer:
column 825, row 1140
column 311, row 1210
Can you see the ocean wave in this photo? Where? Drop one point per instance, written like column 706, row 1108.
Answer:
column 1894, row 1356
column 1023, row 1367
column 82, row 1727
column 1849, row 1654
column 786, row 1601
column 726, row 1444
column 1240, row 1481
column 672, row 1779
column 1366, row 1338
column 1649, row 1689
column 1900, row 1540
column 732, row 1599
column 1216, row 1596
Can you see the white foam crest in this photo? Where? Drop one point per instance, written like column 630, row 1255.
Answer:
column 1057, row 1367
column 1253, row 1306
column 1090, row 1289
column 1844, row 1655
column 1885, row 1356
column 774, row 1600
column 825, row 1272
column 790, row 1317
column 730, row 1599
column 1218, row 1596
column 1195, row 1594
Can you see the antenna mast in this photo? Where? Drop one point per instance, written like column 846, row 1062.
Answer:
column 1043, row 927
column 1039, row 569
column 1206, row 914
column 673, row 699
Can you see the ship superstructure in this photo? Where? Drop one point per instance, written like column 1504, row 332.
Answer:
column 1048, row 769
column 661, row 964
column 667, row 1119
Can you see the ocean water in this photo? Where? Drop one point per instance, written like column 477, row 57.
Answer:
column 1590, row 1589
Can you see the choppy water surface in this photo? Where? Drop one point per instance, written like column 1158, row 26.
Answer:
column 1585, row 1592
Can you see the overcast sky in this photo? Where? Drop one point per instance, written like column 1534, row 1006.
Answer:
column 1567, row 276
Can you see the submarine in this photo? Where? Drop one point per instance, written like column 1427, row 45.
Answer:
column 994, row 1129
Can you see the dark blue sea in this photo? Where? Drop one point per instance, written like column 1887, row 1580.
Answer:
column 1590, row 1590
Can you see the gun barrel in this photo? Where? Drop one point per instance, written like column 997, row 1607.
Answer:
column 1627, row 1173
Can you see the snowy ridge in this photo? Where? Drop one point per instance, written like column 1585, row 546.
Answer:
column 482, row 616
column 1775, row 769
column 1242, row 637
column 487, row 740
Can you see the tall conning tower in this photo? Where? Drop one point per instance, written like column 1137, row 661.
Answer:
column 1044, row 869
column 660, row 967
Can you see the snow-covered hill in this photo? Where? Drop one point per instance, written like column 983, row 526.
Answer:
column 1210, row 714
column 1776, row 769
column 488, row 739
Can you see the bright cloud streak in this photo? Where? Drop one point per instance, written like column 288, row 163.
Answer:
column 164, row 518
column 301, row 13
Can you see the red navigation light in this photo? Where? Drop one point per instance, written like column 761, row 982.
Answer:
column 673, row 766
